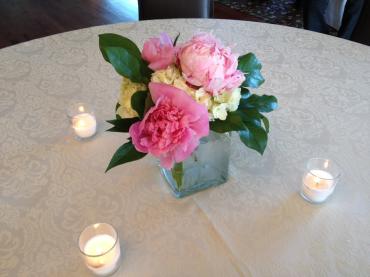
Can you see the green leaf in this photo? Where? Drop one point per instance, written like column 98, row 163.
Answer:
column 146, row 72
column 253, row 79
column 233, row 122
column 264, row 103
column 245, row 93
column 266, row 123
column 117, row 107
column 249, row 62
column 249, row 114
column 254, row 137
column 251, row 67
column 114, row 40
column 126, row 153
column 125, row 63
column 176, row 38
column 107, row 41
column 122, row 125
column 178, row 174
column 148, row 103
column 138, row 102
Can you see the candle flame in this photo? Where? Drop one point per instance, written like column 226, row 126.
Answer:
column 316, row 180
column 81, row 123
column 96, row 225
column 81, row 109
column 326, row 164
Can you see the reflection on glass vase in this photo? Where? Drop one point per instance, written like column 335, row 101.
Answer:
column 208, row 166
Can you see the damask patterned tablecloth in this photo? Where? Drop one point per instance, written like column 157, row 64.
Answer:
column 52, row 186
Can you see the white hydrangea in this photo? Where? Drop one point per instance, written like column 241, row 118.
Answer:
column 202, row 97
column 172, row 76
column 219, row 111
column 225, row 102
column 128, row 88
column 166, row 76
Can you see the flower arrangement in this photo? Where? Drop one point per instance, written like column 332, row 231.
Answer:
column 173, row 95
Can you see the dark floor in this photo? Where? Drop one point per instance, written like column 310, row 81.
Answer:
column 283, row 12
column 23, row 20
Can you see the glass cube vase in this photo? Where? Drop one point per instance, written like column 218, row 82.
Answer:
column 208, row 166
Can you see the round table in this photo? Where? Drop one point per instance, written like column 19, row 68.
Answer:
column 52, row 186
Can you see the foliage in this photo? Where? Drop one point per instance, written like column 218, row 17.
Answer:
column 126, row 153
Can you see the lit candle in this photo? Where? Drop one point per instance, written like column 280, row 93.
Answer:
column 100, row 247
column 320, row 180
column 318, row 185
column 99, row 258
column 84, row 125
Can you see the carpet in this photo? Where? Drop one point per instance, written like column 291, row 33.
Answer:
column 283, row 12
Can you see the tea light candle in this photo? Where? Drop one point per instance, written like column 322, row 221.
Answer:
column 84, row 125
column 82, row 119
column 318, row 185
column 320, row 179
column 100, row 249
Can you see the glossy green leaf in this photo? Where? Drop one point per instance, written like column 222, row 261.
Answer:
column 233, row 122
column 245, row 93
column 253, row 79
column 266, row 123
column 117, row 107
column 114, row 40
column 248, row 63
column 264, row 103
column 107, row 41
column 148, row 103
column 125, row 63
column 254, row 116
column 138, row 102
column 126, row 153
column 251, row 67
column 146, row 72
column 250, row 114
column 254, row 137
column 122, row 124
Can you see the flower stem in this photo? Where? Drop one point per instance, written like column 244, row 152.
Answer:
column 178, row 174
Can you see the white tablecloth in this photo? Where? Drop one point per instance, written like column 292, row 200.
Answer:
column 52, row 186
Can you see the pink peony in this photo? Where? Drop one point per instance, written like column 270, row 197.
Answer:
column 172, row 128
column 159, row 52
column 205, row 62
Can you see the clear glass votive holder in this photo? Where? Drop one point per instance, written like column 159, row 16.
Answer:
column 319, row 180
column 83, row 120
column 100, row 249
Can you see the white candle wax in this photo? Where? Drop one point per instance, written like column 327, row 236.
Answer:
column 318, row 185
column 84, row 125
column 102, row 254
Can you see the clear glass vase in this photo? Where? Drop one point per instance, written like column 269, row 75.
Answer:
column 208, row 166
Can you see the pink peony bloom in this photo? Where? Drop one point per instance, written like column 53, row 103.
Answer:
column 205, row 62
column 170, row 130
column 159, row 52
